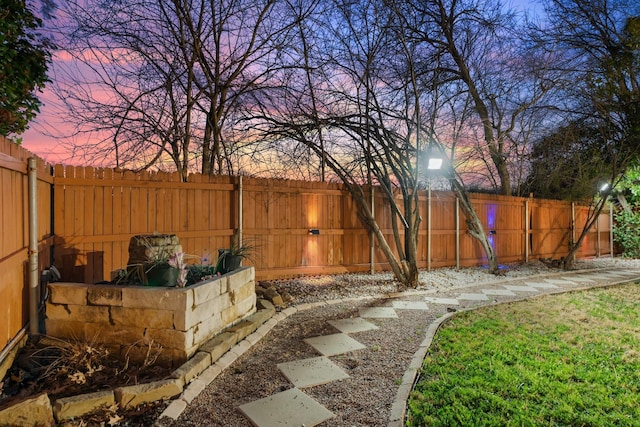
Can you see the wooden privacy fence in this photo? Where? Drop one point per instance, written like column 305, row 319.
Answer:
column 14, row 237
column 87, row 216
column 96, row 211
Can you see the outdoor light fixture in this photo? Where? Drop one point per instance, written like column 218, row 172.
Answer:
column 434, row 159
column 434, row 163
column 314, row 231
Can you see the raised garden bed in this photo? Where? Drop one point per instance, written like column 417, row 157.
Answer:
column 138, row 322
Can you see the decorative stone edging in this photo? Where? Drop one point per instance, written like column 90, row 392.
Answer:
column 39, row 410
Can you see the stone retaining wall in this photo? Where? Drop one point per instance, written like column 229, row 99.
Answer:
column 132, row 320
column 41, row 409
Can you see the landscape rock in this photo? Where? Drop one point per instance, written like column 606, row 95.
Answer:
column 131, row 396
column 76, row 406
column 35, row 411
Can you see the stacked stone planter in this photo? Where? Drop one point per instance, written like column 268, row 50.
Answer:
column 131, row 319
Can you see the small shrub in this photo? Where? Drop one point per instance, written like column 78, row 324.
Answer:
column 199, row 272
column 626, row 233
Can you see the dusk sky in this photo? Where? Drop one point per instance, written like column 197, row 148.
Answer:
column 38, row 139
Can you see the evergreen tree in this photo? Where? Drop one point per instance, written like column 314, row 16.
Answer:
column 24, row 59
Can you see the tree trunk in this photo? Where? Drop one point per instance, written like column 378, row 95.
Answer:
column 211, row 156
column 474, row 225
column 500, row 163
column 569, row 261
column 406, row 270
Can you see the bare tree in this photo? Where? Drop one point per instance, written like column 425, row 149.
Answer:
column 162, row 79
column 369, row 85
column 474, row 45
column 358, row 119
column 129, row 84
column 600, row 42
column 237, row 45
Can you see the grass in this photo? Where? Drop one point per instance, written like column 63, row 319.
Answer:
column 564, row 360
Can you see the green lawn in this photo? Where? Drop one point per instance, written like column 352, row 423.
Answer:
column 565, row 360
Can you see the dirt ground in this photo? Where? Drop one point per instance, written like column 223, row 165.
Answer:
column 63, row 368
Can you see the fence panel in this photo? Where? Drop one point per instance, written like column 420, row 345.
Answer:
column 14, row 235
column 504, row 224
column 550, row 228
column 597, row 240
column 278, row 217
column 97, row 211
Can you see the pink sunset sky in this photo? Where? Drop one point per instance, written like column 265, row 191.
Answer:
column 47, row 135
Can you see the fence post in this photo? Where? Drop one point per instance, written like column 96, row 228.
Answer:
column 598, row 237
column 526, row 231
column 372, row 243
column 457, row 233
column 34, row 320
column 429, row 224
column 240, row 210
column 573, row 223
column 611, row 229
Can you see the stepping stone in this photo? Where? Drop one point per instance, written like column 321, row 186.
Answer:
column 379, row 312
column 500, row 292
column 520, row 288
column 579, row 279
column 614, row 275
column 628, row 272
column 543, row 285
column 350, row 326
column 330, row 345
column 410, row 305
column 291, row 407
column 560, row 281
column 313, row 371
column 600, row 276
column 473, row 297
column 447, row 301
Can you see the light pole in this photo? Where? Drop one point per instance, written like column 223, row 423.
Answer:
column 434, row 162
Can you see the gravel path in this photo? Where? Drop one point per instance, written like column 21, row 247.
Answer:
column 366, row 397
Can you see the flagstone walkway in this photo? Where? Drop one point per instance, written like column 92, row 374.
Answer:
column 293, row 407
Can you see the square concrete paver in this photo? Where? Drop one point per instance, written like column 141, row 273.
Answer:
column 379, row 312
column 560, row 281
column 515, row 288
column 500, row 292
column 618, row 275
column 542, row 285
column 448, row 301
column 313, row 371
column 410, row 305
column 579, row 278
column 613, row 273
column 330, row 345
column 288, row 408
column 473, row 297
column 628, row 272
column 601, row 276
column 350, row 326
